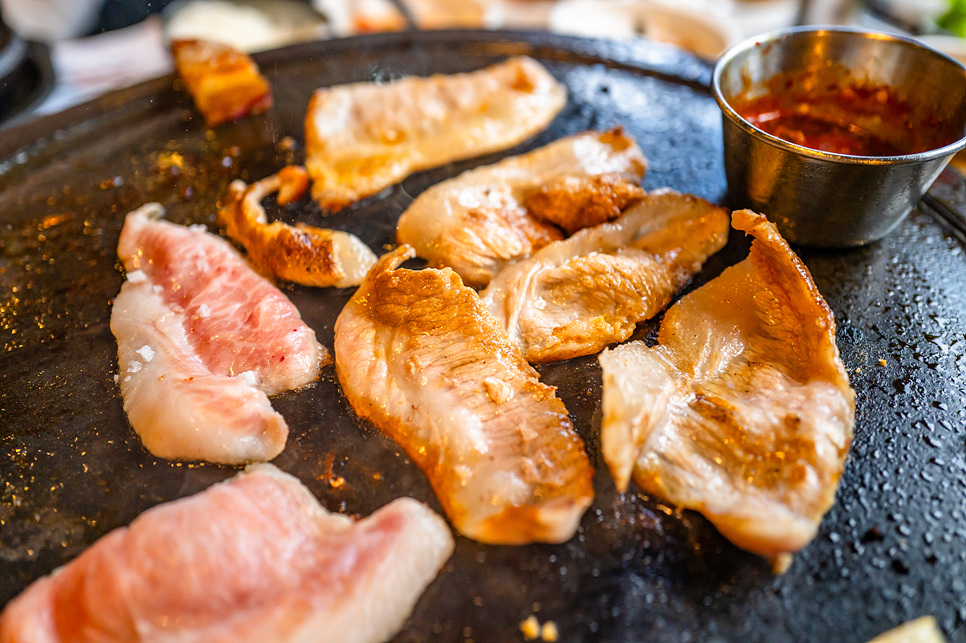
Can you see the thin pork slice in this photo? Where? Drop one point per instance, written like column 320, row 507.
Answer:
column 202, row 341
column 363, row 137
column 743, row 410
column 255, row 558
column 576, row 296
column 419, row 355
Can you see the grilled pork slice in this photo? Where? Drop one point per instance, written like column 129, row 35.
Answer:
column 363, row 137
column 255, row 558
column 481, row 220
column 576, row 296
column 924, row 629
column 419, row 356
column 304, row 254
column 743, row 411
column 224, row 83
column 202, row 341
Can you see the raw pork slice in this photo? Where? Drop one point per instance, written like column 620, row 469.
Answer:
column 576, row 296
column 743, row 410
column 419, row 356
column 202, row 341
column 363, row 137
column 483, row 219
column 302, row 253
column 255, row 558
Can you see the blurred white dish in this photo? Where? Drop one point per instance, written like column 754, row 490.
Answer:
column 757, row 16
column 246, row 25
column 703, row 34
column 526, row 14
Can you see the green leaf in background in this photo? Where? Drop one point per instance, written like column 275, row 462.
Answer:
column 954, row 20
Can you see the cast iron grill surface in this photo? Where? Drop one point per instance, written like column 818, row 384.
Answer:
column 71, row 469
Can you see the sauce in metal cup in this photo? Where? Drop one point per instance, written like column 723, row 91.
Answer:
column 836, row 133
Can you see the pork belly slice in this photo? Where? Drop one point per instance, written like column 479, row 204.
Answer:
column 202, row 341
column 419, row 356
column 224, row 83
column 743, row 410
column 363, row 137
column 576, row 296
column 255, row 558
column 302, row 253
column 478, row 222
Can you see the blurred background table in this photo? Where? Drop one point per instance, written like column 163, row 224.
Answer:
column 78, row 49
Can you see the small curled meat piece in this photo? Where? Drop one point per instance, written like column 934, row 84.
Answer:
column 303, row 254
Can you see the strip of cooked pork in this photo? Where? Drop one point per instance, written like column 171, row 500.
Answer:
column 419, row 355
column 363, row 137
column 202, row 341
column 304, row 254
column 743, row 410
column 224, row 83
column 483, row 219
column 576, row 296
column 253, row 559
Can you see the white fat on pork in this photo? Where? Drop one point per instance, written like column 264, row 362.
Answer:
column 202, row 341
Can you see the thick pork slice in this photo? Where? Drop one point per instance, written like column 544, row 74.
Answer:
column 480, row 221
column 301, row 253
column 202, row 341
column 743, row 410
column 419, row 355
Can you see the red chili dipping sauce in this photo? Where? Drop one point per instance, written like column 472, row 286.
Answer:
column 802, row 128
column 840, row 117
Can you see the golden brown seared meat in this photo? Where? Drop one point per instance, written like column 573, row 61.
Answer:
column 743, row 411
column 576, row 296
column 478, row 222
column 576, row 202
column 224, row 83
column 419, row 356
column 304, row 254
column 363, row 137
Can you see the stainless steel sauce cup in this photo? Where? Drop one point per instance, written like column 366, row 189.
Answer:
column 826, row 199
